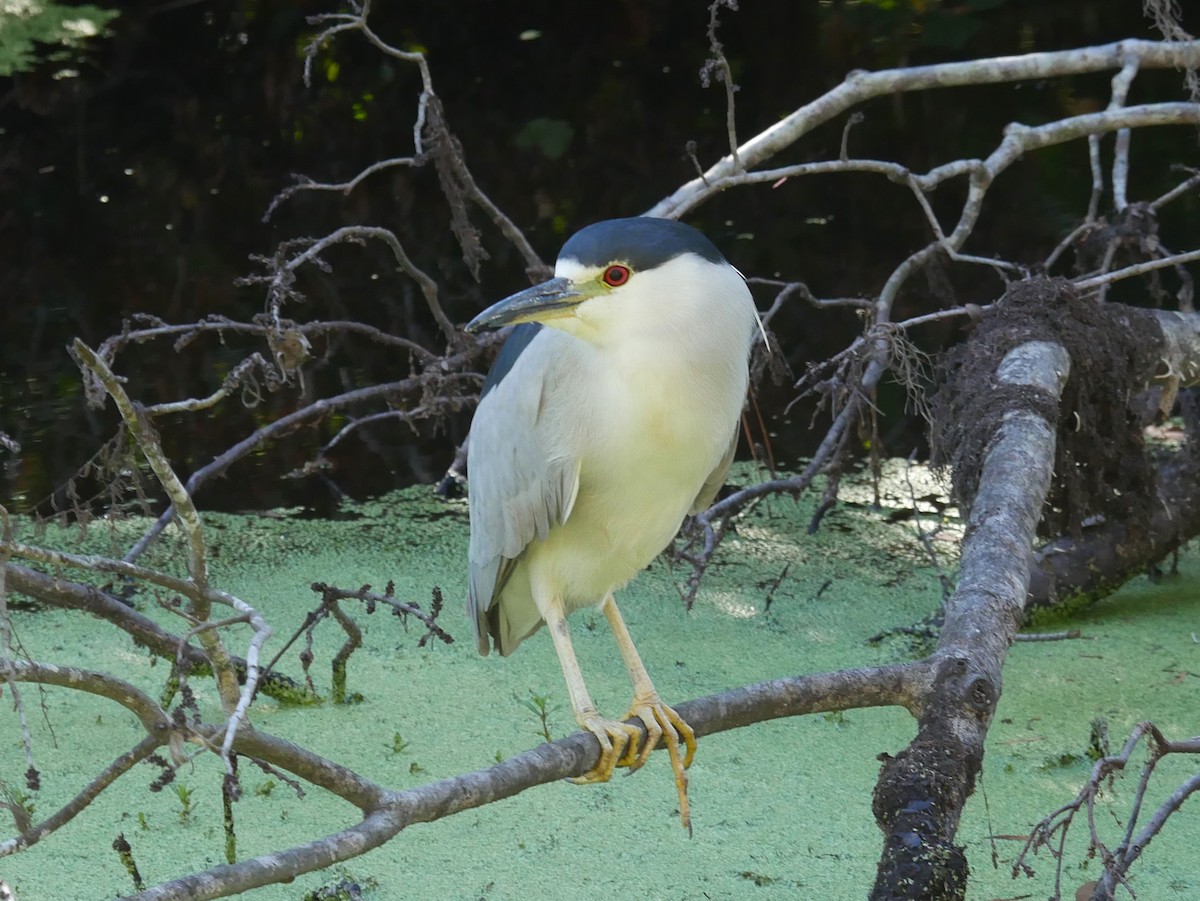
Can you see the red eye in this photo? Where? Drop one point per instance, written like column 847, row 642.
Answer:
column 615, row 276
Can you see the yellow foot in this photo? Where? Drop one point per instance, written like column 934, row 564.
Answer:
column 618, row 746
column 663, row 723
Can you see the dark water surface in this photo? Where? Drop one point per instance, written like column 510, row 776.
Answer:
column 139, row 186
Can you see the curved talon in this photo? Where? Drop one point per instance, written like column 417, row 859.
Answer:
column 662, row 722
column 619, row 746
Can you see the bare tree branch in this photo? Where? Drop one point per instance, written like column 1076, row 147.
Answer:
column 389, row 812
column 1051, row 832
column 861, row 86
column 921, row 791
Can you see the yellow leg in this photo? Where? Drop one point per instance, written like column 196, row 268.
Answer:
column 618, row 741
column 660, row 720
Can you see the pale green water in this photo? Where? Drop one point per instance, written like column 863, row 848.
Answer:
column 781, row 810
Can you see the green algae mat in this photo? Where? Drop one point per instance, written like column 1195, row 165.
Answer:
column 780, row 809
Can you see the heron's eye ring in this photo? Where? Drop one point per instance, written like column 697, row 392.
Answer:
column 615, row 276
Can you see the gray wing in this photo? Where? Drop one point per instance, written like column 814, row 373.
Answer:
column 518, row 488
column 712, row 485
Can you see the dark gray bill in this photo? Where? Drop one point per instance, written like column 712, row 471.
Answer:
column 531, row 305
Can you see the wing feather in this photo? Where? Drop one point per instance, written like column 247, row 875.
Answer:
column 519, row 488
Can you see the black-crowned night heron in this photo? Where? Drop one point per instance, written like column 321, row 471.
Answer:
column 594, row 438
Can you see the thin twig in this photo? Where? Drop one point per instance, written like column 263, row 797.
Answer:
column 1052, row 831
column 1137, row 269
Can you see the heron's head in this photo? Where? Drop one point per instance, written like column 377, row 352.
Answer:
column 626, row 276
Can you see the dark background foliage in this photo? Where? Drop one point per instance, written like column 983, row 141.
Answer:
column 139, row 185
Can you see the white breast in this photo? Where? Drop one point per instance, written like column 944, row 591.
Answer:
column 663, row 400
